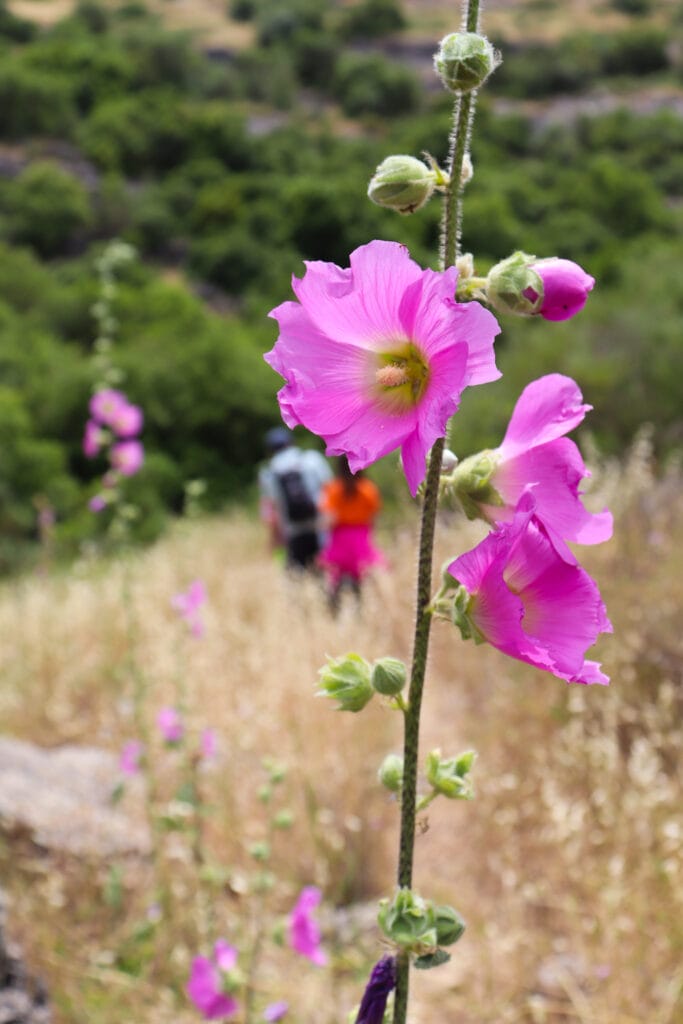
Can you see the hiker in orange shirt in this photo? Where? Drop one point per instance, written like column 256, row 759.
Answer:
column 350, row 503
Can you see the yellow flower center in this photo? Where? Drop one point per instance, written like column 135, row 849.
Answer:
column 400, row 378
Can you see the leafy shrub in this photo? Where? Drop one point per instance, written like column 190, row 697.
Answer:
column 19, row 30
column 371, row 19
column 636, row 52
column 372, row 85
column 32, row 103
column 49, row 208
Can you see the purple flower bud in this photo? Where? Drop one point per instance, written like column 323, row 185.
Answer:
column 382, row 982
column 565, row 288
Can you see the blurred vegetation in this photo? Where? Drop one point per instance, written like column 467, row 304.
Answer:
column 227, row 169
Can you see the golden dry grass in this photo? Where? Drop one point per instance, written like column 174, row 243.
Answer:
column 567, row 865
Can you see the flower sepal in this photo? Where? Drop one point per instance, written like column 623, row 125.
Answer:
column 471, row 482
column 347, row 680
column 449, row 777
column 418, row 926
column 389, row 676
column 513, row 286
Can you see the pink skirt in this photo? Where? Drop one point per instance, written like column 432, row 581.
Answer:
column 350, row 552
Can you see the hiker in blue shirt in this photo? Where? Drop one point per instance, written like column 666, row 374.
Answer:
column 290, row 486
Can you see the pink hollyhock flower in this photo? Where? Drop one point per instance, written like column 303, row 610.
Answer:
column 170, row 725
column 565, row 288
column 208, row 980
column 276, row 1011
column 105, row 404
column 523, row 591
column 535, row 454
column 97, row 503
column 129, row 761
column 92, row 439
column 127, row 457
column 304, row 933
column 208, row 744
column 126, row 420
column 376, row 356
column 188, row 606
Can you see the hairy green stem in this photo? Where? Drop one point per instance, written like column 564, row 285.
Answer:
column 452, row 216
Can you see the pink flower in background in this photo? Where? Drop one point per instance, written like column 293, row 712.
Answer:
column 126, row 420
column 127, row 457
column 105, row 404
column 208, row 978
column 92, row 439
column 526, row 595
column 129, row 762
column 375, row 357
column 534, row 453
column 565, row 288
column 304, row 933
column 188, row 605
column 97, row 503
column 276, row 1011
column 170, row 725
column 208, row 744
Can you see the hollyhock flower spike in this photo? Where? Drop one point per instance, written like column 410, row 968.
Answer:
column 127, row 457
column 304, row 933
column 522, row 591
column 376, row 356
column 208, row 977
column 105, row 404
column 534, row 453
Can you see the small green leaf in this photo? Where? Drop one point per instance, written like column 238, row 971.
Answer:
column 429, row 960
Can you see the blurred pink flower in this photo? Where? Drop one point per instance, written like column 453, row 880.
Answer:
column 276, row 1011
column 105, row 403
column 129, row 762
column 208, row 744
column 304, row 933
column 127, row 457
column 92, row 439
column 534, row 453
column 565, row 288
column 206, row 986
column 188, row 605
column 126, row 420
column 170, row 725
column 525, row 594
column 97, row 503
column 375, row 357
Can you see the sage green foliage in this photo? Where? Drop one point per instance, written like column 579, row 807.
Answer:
column 115, row 126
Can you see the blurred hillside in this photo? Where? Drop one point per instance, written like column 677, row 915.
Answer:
column 228, row 142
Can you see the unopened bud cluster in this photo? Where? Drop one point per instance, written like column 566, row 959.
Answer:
column 353, row 681
column 450, row 776
column 418, row 926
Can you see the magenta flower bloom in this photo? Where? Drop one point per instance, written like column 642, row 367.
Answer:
column 565, row 288
column 97, row 503
column 304, row 933
column 535, row 454
column 382, row 982
column 188, row 605
column 126, row 420
column 522, row 590
column 92, row 439
column 375, row 357
column 127, row 457
column 276, row 1011
column 208, row 981
column 105, row 404
column 208, row 744
column 129, row 761
column 170, row 725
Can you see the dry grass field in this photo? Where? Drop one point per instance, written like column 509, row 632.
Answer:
column 567, row 865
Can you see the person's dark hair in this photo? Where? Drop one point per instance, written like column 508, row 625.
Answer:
column 278, row 438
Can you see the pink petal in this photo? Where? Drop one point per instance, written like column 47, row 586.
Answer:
column 547, row 409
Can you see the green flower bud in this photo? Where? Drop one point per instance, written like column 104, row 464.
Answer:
column 471, row 481
column 277, row 772
column 347, row 679
column 409, row 921
column 513, row 286
column 260, row 851
column 449, row 776
column 388, row 676
column 402, row 183
column 391, row 772
column 283, row 819
column 449, row 925
column 465, row 60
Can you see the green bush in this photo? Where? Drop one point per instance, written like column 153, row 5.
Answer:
column 33, row 103
column 49, row 208
column 371, row 19
column 366, row 84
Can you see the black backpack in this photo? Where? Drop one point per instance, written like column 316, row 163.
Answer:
column 299, row 506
